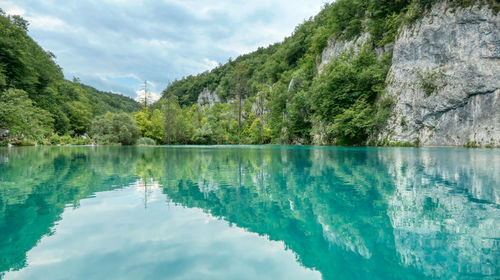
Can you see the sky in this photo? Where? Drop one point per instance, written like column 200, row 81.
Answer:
column 114, row 45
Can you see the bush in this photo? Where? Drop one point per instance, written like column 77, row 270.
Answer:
column 4, row 143
column 45, row 142
column 65, row 140
column 81, row 141
column 387, row 143
column 431, row 81
column 403, row 144
column 344, row 96
column 115, row 129
column 21, row 117
column 23, row 143
column 145, row 141
column 353, row 125
column 55, row 139
column 472, row 144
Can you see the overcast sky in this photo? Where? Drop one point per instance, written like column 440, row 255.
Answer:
column 115, row 45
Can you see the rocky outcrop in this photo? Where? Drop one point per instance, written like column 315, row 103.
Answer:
column 208, row 98
column 445, row 79
column 4, row 134
column 337, row 47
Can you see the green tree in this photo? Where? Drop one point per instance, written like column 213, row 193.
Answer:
column 241, row 89
column 204, row 134
column 25, row 66
column 354, row 124
column 260, row 108
column 115, row 129
column 142, row 119
column 19, row 22
column 157, row 126
column 171, row 111
column 22, row 118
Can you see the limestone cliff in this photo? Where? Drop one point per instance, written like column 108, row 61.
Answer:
column 208, row 98
column 445, row 79
column 337, row 47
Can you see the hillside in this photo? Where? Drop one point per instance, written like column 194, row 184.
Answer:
column 331, row 81
column 35, row 99
column 361, row 72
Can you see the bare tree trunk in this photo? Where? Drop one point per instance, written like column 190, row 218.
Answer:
column 168, row 124
column 239, row 121
column 261, row 129
column 167, row 121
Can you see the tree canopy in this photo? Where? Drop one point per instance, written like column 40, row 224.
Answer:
column 36, row 100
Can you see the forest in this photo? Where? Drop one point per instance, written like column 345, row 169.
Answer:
column 37, row 105
column 275, row 95
column 287, row 100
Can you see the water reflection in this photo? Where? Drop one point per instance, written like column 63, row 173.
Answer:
column 347, row 213
column 445, row 212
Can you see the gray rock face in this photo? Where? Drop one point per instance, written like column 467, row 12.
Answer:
column 208, row 98
column 4, row 133
column 337, row 47
column 445, row 79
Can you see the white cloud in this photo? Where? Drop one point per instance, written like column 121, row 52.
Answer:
column 11, row 9
column 151, row 97
column 47, row 23
column 209, row 64
column 158, row 41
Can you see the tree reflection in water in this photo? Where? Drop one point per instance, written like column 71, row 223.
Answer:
column 363, row 213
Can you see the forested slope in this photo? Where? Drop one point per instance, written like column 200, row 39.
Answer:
column 35, row 99
column 379, row 72
column 295, row 92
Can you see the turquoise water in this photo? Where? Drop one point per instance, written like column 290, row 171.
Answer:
column 250, row 212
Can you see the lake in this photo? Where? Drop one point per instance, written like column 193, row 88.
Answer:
column 249, row 212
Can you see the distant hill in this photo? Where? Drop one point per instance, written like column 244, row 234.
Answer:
column 35, row 99
column 110, row 102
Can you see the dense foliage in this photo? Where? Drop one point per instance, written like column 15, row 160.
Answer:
column 299, row 105
column 286, row 95
column 36, row 101
column 276, row 94
column 115, row 129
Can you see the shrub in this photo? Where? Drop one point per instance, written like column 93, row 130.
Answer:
column 431, row 81
column 115, row 128
column 471, row 144
column 353, row 125
column 81, row 141
column 43, row 142
column 19, row 115
column 55, row 139
column 145, row 141
column 65, row 140
column 387, row 143
column 23, row 143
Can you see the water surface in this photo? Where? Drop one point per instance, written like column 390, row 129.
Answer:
column 249, row 212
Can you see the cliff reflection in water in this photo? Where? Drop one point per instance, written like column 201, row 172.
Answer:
column 362, row 213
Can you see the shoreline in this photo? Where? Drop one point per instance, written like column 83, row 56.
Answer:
column 250, row 145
